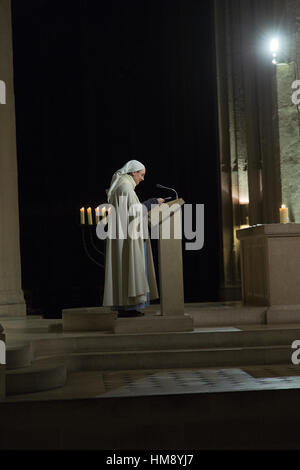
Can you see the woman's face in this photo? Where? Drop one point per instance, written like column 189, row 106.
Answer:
column 138, row 176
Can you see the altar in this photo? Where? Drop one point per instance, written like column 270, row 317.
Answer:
column 270, row 264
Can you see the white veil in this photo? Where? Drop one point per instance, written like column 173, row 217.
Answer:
column 132, row 165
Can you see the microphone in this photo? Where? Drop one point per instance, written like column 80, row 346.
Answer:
column 165, row 187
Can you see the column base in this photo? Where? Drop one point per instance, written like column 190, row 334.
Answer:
column 13, row 310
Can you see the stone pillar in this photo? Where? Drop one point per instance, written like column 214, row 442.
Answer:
column 11, row 295
column 289, row 139
column 249, row 148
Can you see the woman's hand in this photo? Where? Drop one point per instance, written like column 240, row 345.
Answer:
column 160, row 200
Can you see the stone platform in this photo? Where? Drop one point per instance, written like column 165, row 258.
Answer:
column 101, row 370
column 43, row 353
column 103, row 319
column 201, row 314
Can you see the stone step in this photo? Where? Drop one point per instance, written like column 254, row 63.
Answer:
column 154, row 324
column 53, row 357
column 49, row 373
column 213, row 339
column 227, row 316
column 35, row 378
column 284, row 313
column 28, row 324
column 18, row 355
column 83, row 384
column 20, row 320
column 206, row 314
column 161, row 359
column 203, row 314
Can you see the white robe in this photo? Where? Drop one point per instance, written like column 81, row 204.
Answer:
column 125, row 275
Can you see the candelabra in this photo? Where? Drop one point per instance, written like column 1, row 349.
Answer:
column 88, row 239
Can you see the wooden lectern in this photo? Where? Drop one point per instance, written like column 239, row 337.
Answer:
column 166, row 219
column 165, row 225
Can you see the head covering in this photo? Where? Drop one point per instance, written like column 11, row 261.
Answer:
column 132, row 165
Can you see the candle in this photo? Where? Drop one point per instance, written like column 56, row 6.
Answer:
column 97, row 214
column 103, row 210
column 284, row 214
column 82, row 216
column 89, row 214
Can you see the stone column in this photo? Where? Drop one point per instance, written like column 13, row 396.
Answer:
column 11, row 295
column 289, row 139
column 249, row 149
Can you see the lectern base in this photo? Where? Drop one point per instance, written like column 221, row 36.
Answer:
column 154, row 324
column 103, row 319
column 88, row 319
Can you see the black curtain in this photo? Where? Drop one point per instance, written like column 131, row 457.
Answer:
column 97, row 84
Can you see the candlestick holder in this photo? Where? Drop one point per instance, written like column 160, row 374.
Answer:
column 88, row 239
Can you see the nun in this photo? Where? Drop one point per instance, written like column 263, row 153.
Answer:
column 130, row 281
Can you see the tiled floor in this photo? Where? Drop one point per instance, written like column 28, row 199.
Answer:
column 198, row 381
column 96, row 384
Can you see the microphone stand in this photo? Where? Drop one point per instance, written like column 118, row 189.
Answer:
column 166, row 187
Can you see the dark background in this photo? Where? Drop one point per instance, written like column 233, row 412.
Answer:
column 98, row 84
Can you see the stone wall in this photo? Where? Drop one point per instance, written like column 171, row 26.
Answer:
column 288, row 113
column 289, row 141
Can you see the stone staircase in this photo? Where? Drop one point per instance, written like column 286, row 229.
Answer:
column 40, row 355
column 24, row 374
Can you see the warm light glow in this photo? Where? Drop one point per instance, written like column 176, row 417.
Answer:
column 82, row 216
column 89, row 214
column 284, row 214
column 97, row 214
column 274, row 44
